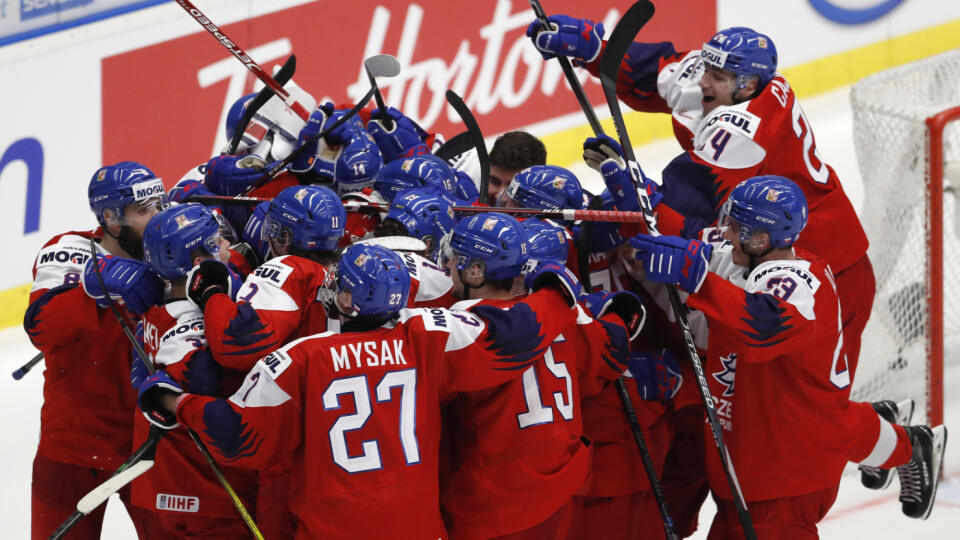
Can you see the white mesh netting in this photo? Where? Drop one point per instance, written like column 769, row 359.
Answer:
column 890, row 136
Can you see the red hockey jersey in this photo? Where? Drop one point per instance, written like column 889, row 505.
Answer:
column 769, row 134
column 777, row 372
column 182, row 480
column 87, row 397
column 360, row 412
column 516, row 450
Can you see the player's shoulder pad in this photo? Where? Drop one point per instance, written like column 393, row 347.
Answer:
column 196, row 173
column 463, row 327
column 64, row 254
column 725, row 137
column 792, row 281
column 431, row 280
column 677, row 82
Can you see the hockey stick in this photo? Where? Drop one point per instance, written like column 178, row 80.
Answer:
column 24, row 369
column 279, row 166
column 139, row 462
column 456, row 145
column 282, row 77
column 621, row 38
column 614, row 216
column 458, row 105
column 244, row 58
column 244, row 514
column 569, row 74
column 385, row 68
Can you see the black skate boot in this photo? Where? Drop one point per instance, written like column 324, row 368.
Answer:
column 895, row 413
column 921, row 475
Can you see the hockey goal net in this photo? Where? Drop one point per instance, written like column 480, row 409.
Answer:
column 908, row 150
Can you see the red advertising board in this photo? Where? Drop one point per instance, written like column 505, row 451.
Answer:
column 163, row 105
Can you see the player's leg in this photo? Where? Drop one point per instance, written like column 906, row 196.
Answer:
column 788, row 518
column 876, row 442
column 894, row 414
column 684, row 477
column 56, row 488
column 856, row 288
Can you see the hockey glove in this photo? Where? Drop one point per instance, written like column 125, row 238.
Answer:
column 207, row 279
column 396, row 135
column 604, row 155
column 671, row 259
column 233, row 175
column 624, row 304
column 656, row 373
column 126, row 279
column 567, row 36
column 559, row 276
column 188, row 188
column 303, row 162
column 150, row 399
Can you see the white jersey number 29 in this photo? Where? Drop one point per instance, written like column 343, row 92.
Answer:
column 369, row 459
column 821, row 173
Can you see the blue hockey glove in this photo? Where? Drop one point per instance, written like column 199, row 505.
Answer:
column 625, row 304
column 188, row 188
column 206, row 279
column 567, row 36
column 671, row 259
column 233, row 175
column 561, row 276
column 404, row 139
column 318, row 119
column 656, row 373
column 149, row 399
column 127, row 279
column 138, row 371
column 604, row 155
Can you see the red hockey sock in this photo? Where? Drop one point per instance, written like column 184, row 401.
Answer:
column 902, row 451
column 879, row 443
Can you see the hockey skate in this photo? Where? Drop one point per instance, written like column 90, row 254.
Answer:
column 921, row 475
column 895, row 413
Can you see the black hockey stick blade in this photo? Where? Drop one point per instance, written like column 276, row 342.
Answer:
column 568, row 72
column 282, row 77
column 458, row 105
column 456, row 145
column 24, row 369
column 622, row 36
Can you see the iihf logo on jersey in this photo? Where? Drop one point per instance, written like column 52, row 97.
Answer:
column 727, row 377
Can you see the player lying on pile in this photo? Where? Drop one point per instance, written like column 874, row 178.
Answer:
column 309, row 399
column 775, row 344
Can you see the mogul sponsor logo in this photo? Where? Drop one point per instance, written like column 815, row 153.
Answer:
column 147, row 189
column 742, row 121
column 369, row 353
column 78, row 258
column 177, row 503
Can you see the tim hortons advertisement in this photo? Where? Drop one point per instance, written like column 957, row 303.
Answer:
column 165, row 104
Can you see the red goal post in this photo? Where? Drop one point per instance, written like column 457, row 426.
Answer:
column 904, row 134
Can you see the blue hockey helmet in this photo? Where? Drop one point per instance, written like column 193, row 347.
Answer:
column 743, row 52
column 771, row 204
column 546, row 242
column 172, row 236
column 310, row 218
column 497, row 241
column 546, row 187
column 236, row 113
column 371, row 281
column 115, row 186
column 407, row 173
column 354, row 165
column 426, row 213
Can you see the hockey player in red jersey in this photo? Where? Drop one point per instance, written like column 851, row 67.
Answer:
column 333, row 402
column 517, row 451
column 85, row 425
column 181, row 494
column 776, row 347
column 735, row 117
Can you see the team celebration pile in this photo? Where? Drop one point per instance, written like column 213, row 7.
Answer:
column 346, row 327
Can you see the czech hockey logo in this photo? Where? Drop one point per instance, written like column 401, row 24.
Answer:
column 727, row 377
column 300, row 194
column 773, row 195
